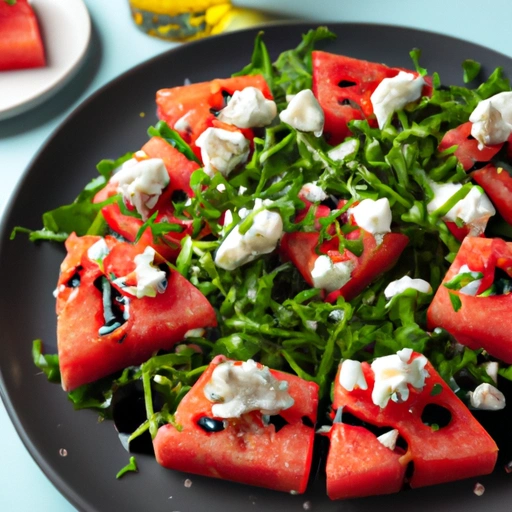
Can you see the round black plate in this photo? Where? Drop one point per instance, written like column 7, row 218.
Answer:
column 108, row 125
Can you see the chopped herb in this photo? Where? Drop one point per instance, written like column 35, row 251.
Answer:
column 415, row 56
column 49, row 363
column 462, row 279
column 130, row 467
column 456, row 302
column 471, row 69
column 436, row 389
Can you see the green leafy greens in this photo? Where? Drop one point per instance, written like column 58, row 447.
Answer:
column 265, row 308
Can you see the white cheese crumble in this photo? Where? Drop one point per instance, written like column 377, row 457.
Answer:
column 393, row 94
column 373, row 216
column 248, row 108
column 472, row 287
column 351, row 375
column 304, row 113
column 474, row 210
column 337, row 315
column 141, row 183
column 59, row 290
column 389, row 439
column 237, row 389
column 491, row 368
column 406, row 283
column 182, row 124
column 150, row 279
column 195, row 333
column 222, row 150
column 487, row 398
column 393, row 374
column 347, row 148
column 330, row 276
column 98, row 251
column 492, row 119
column 479, row 489
column 312, row 325
column 313, row 192
column 261, row 238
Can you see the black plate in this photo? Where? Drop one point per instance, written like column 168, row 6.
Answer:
column 106, row 126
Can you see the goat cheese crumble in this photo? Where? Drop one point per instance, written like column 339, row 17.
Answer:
column 393, row 94
column 492, row 119
column 331, row 276
column 98, row 251
column 261, row 238
column 406, row 283
column 141, row 183
column 150, row 279
column 312, row 192
column 474, row 210
column 389, row 439
column 394, row 373
column 373, row 216
column 487, row 397
column 248, row 108
column 222, row 150
column 351, row 375
column 237, row 389
column 304, row 113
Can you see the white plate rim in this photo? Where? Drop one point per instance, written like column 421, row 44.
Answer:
column 64, row 71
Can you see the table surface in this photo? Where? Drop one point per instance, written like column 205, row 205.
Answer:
column 118, row 45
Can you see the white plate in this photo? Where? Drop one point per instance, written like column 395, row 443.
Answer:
column 66, row 30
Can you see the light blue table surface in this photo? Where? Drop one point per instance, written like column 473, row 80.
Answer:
column 116, row 46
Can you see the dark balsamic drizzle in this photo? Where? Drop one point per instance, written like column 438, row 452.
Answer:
column 113, row 307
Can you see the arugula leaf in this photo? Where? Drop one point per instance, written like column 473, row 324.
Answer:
column 506, row 373
column 471, row 70
column 260, row 62
column 158, row 229
column 291, row 72
column 436, row 389
column 455, row 301
column 82, row 216
column 162, row 129
column 293, row 67
column 130, row 467
column 496, row 83
column 107, row 167
column 58, row 224
column 415, row 54
column 462, row 279
column 49, row 363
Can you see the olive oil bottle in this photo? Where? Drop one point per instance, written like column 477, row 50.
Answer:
column 185, row 20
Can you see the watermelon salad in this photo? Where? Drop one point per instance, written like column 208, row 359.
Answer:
column 308, row 260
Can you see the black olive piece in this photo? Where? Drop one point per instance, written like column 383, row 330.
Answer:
column 346, row 83
column 434, row 414
column 278, row 421
column 179, row 196
column 307, row 421
column 129, row 412
column 74, row 280
column 210, row 424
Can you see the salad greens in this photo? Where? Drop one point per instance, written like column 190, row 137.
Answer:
column 265, row 309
